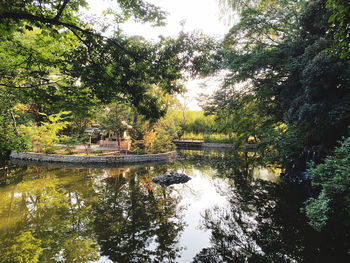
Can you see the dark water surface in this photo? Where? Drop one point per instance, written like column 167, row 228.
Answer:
column 231, row 211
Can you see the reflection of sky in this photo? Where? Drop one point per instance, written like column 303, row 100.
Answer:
column 271, row 175
column 197, row 195
column 204, row 191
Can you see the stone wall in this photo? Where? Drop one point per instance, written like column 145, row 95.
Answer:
column 92, row 159
column 187, row 144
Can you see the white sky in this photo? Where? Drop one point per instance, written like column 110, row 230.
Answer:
column 199, row 15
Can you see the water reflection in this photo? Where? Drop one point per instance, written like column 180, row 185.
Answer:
column 263, row 222
column 231, row 211
column 46, row 218
column 135, row 221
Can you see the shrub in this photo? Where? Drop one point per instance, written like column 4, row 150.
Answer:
column 41, row 138
column 52, row 149
column 332, row 206
column 70, row 142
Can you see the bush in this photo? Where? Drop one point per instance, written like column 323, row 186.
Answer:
column 52, row 149
column 158, row 141
column 70, row 143
column 218, row 138
column 9, row 140
column 140, row 151
column 332, row 206
column 42, row 138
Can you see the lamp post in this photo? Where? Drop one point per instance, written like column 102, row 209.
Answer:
column 90, row 135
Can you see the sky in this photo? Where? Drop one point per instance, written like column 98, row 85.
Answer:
column 198, row 15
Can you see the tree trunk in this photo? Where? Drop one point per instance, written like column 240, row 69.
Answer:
column 14, row 124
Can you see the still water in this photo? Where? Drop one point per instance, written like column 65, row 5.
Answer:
column 231, row 210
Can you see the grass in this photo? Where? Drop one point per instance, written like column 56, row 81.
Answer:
column 212, row 138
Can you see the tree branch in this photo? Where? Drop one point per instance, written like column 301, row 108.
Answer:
column 27, row 87
column 46, row 20
column 71, row 27
column 61, row 8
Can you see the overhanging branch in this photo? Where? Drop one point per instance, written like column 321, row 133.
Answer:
column 72, row 27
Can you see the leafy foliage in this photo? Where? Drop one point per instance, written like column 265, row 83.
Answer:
column 9, row 138
column 160, row 138
column 281, row 72
column 340, row 18
column 332, row 207
column 42, row 138
column 53, row 60
column 70, row 142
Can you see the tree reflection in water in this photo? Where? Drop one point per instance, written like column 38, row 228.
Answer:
column 136, row 221
column 46, row 219
column 263, row 222
column 78, row 215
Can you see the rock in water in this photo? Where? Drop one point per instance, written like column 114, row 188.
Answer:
column 171, row 178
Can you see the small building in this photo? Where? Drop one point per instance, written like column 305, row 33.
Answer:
column 121, row 142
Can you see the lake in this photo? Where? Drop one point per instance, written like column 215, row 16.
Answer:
column 232, row 210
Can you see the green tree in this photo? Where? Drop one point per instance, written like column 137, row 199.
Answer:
column 9, row 139
column 332, row 207
column 53, row 60
column 115, row 68
column 43, row 137
column 340, row 18
column 280, row 51
column 160, row 138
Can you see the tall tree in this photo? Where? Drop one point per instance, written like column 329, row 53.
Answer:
column 281, row 52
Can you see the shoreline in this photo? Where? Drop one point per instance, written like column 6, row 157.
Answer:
column 102, row 159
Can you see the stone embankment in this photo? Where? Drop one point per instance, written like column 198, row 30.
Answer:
column 201, row 145
column 187, row 144
column 60, row 158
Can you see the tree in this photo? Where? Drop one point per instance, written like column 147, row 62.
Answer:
column 53, row 60
column 114, row 68
column 283, row 59
column 44, row 137
column 340, row 18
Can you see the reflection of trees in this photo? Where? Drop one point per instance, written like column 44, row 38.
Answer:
column 72, row 214
column 262, row 223
column 251, row 230
column 137, row 221
column 224, row 163
column 10, row 174
column 47, row 216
